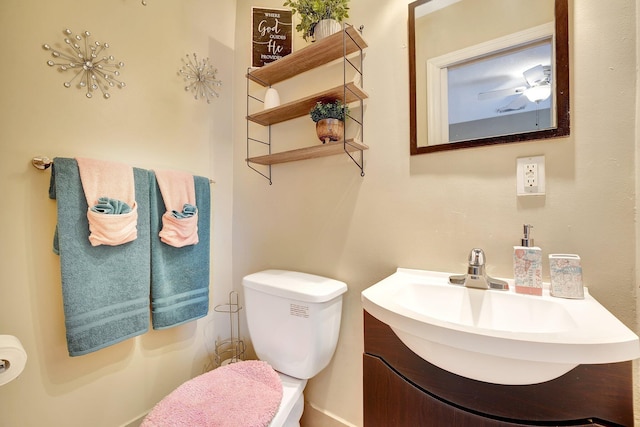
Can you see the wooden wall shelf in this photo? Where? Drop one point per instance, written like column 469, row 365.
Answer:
column 317, row 54
column 323, row 150
column 302, row 107
column 347, row 42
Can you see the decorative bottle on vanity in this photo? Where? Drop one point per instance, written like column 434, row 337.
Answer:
column 527, row 265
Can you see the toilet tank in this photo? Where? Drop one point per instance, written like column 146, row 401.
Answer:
column 293, row 319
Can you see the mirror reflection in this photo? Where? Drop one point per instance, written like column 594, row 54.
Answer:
column 499, row 95
column 487, row 72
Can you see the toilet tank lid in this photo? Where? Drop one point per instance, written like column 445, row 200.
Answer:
column 295, row 285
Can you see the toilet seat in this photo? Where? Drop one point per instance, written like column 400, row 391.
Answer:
column 292, row 389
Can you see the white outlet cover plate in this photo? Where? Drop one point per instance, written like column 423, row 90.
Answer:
column 521, row 190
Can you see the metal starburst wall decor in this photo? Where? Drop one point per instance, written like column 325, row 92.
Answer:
column 200, row 77
column 92, row 69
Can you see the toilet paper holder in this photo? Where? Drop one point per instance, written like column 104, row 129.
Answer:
column 13, row 358
column 232, row 349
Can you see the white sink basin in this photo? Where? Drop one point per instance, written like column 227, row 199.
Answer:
column 497, row 336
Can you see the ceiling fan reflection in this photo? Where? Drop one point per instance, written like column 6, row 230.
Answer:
column 537, row 88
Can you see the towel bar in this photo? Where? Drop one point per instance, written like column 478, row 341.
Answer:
column 43, row 162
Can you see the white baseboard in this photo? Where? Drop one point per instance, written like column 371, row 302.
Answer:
column 314, row 416
column 136, row 421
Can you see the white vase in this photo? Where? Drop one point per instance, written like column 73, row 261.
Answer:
column 325, row 28
column 271, row 98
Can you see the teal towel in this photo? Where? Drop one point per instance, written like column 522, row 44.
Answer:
column 109, row 206
column 105, row 289
column 187, row 211
column 180, row 276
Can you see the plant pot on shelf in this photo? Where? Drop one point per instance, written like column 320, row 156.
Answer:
column 330, row 130
column 325, row 28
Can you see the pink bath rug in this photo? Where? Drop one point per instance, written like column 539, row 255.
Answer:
column 243, row 394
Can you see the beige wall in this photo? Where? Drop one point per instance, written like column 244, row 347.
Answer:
column 319, row 215
column 152, row 123
column 428, row 211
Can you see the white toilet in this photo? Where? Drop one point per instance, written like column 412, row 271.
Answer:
column 294, row 320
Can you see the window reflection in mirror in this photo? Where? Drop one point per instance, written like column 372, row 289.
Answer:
column 457, row 102
column 498, row 93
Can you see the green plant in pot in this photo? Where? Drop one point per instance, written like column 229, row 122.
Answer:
column 329, row 117
column 315, row 13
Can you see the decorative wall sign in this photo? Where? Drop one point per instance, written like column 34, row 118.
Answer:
column 271, row 35
column 200, row 77
column 82, row 58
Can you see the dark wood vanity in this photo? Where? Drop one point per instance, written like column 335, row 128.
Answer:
column 401, row 389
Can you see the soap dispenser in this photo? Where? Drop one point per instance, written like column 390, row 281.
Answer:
column 527, row 265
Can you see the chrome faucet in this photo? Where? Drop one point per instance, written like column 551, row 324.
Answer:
column 476, row 276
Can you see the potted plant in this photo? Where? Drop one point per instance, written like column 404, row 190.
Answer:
column 329, row 117
column 319, row 18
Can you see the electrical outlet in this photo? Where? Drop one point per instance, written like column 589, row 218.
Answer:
column 530, row 179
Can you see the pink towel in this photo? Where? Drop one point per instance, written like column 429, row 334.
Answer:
column 177, row 189
column 114, row 180
column 245, row 394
